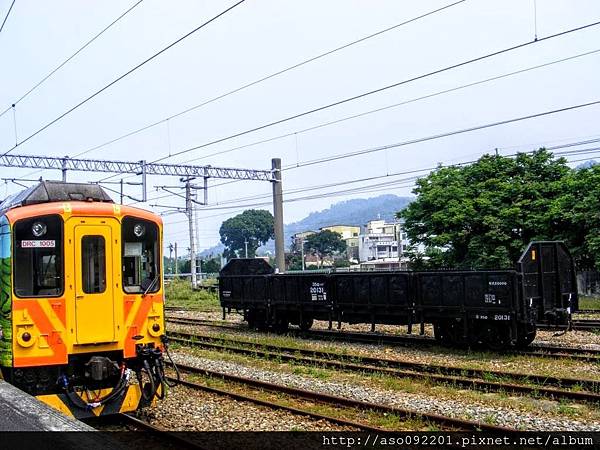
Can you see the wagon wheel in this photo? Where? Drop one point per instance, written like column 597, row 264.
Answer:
column 526, row 335
column 281, row 324
column 306, row 323
column 496, row 337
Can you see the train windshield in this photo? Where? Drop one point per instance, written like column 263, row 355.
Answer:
column 38, row 261
column 141, row 265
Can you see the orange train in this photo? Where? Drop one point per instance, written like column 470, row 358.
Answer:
column 81, row 300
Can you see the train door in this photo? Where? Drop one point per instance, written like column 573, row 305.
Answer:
column 94, row 272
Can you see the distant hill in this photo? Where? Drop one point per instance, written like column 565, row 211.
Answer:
column 587, row 164
column 350, row 212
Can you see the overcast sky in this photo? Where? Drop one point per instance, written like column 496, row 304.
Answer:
column 260, row 37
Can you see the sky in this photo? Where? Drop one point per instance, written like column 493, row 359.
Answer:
column 261, row 37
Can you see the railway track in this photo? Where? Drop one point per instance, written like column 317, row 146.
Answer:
column 488, row 381
column 580, row 325
column 449, row 423
column 155, row 434
column 541, row 351
column 272, row 405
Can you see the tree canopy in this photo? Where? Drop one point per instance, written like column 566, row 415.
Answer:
column 483, row 214
column 253, row 225
column 325, row 243
column 577, row 213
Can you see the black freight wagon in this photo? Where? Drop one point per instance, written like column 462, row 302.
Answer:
column 496, row 308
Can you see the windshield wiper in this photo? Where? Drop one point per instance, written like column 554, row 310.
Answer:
column 151, row 285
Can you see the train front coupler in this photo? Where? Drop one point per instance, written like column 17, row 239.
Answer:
column 151, row 363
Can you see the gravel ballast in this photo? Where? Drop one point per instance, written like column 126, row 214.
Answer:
column 412, row 401
column 186, row 409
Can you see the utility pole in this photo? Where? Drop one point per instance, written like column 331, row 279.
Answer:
column 121, row 183
column 189, row 210
column 302, row 249
column 246, row 246
column 197, row 226
column 176, row 261
column 170, row 252
column 278, row 214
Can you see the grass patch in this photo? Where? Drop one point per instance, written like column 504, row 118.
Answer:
column 179, row 293
column 586, row 302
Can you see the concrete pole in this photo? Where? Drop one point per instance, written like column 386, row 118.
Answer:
column 302, row 250
column 121, row 190
column 64, row 169
column 246, row 247
column 189, row 210
column 176, row 260
column 197, row 231
column 278, row 214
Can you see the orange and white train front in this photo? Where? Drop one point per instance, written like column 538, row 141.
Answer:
column 81, row 305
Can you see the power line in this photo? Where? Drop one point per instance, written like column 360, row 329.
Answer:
column 412, row 172
column 57, row 68
column 378, row 90
column 129, row 72
column 267, row 77
column 395, row 105
column 7, row 14
column 441, row 135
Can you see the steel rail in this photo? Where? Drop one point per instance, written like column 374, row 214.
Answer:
column 272, row 405
column 450, row 422
column 468, row 378
column 539, row 351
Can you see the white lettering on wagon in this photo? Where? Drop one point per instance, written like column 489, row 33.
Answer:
column 38, row 244
column 318, row 292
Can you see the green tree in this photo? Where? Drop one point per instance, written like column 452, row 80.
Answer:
column 483, row 214
column 253, row 226
column 211, row 266
column 578, row 210
column 325, row 243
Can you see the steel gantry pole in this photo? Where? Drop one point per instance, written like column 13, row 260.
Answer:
column 278, row 214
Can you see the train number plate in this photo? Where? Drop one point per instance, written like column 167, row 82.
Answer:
column 501, row 316
column 318, row 292
column 38, row 244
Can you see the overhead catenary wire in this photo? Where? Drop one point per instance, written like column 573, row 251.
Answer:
column 412, row 171
column 7, row 14
column 388, row 183
column 124, row 75
column 268, row 77
column 434, row 137
column 378, row 90
column 395, row 105
column 441, row 135
column 79, row 50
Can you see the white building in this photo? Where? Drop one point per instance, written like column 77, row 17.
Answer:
column 382, row 245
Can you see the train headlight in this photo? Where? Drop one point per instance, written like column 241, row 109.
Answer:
column 39, row 229
column 139, row 230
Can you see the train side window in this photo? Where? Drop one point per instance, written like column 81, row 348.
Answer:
column 38, row 257
column 93, row 264
column 141, row 257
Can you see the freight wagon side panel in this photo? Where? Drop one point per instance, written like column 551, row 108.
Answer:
column 549, row 284
column 465, row 294
column 243, row 284
column 373, row 297
column 299, row 295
